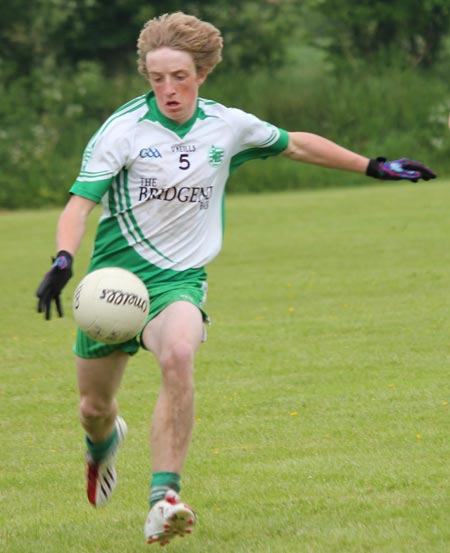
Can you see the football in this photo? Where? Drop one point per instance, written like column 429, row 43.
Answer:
column 111, row 305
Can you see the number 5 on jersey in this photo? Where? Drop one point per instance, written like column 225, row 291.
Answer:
column 184, row 162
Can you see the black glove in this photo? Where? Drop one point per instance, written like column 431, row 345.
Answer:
column 381, row 168
column 53, row 282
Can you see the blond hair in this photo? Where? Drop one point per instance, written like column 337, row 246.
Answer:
column 181, row 32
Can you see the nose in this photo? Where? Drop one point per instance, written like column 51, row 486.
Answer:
column 169, row 87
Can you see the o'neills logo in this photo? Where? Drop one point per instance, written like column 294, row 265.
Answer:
column 118, row 297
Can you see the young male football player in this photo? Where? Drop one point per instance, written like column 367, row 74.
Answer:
column 158, row 166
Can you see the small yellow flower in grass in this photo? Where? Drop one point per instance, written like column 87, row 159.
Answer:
column 291, row 309
column 391, row 385
column 445, row 403
column 198, row 419
column 53, row 450
column 419, row 436
column 216, row 452
column 294, row 414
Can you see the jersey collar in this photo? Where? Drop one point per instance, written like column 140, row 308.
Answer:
column 154, row 114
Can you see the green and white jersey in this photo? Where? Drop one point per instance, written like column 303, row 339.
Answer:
column 162, row 184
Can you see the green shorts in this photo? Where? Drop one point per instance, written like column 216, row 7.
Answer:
column 160, row 297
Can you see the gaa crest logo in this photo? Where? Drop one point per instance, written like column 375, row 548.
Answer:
column 215, row 156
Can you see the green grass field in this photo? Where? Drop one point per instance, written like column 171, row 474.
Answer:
column 323, row 416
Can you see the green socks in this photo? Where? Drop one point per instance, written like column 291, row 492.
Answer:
column 160, row 483
column 99, row 451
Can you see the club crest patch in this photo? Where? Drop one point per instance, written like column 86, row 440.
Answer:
column 215, row 156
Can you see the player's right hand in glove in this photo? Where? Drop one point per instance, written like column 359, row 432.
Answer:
column 399, row 169
column 54, row 281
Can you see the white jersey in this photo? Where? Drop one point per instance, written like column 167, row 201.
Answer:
column 162, row 184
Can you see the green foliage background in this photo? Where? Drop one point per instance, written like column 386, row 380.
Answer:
column 372, row 76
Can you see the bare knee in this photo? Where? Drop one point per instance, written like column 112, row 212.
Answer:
column 98, row 382
column 95, row 409
column 177, row 362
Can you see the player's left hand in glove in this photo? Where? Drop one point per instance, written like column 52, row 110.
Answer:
column 54, row 281
column 399, row 169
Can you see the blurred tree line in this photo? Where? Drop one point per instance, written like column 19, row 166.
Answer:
column 256, row 33
column 66, row 64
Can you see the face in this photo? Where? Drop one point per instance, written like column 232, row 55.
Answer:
column 175, row 82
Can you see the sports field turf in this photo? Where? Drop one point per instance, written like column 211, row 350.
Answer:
column 323, row 416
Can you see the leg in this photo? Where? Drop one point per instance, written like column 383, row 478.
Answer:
column 174, row 336
column 98, row 382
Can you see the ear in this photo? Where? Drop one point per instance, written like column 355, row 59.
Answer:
column 201, row 78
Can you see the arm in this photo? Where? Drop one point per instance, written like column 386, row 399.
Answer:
column 312, row 148
column 72, row 224
column 70, row 232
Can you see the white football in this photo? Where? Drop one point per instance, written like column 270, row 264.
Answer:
column 111, row 305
